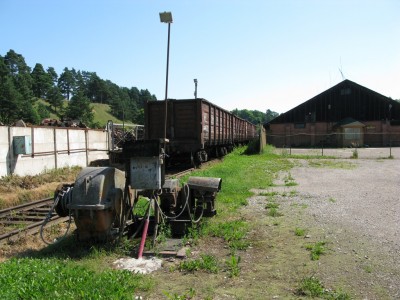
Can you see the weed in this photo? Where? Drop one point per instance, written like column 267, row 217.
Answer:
column 189, row 294
column 233, row 232
column 299, row 231
column 194, row 233
column 285, row 152
column 269, row 194
column 272, row 208
column 332, row 164
column 368, row 269
column 141, row 206
column 354, row 154
column 206, row 262
column 312, row 287
column 332, row 200
column 316, row 250
column 233, row 265
column 289, row 180
column 164, row 232
column 272, row 205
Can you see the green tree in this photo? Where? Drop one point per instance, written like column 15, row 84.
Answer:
column 43, row 111
column 79, row 108
column 53, row 75
column 10, row 101
column 270, row 115
column 41, row 81
column 55, row 98
column 255, row 116
column 66, row 82
column 20, row 73
column 13, row 105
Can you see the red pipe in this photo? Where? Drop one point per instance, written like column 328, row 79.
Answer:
column 144, row 234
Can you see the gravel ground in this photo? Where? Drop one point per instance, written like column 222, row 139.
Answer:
column 359, row 208
column 364, row 153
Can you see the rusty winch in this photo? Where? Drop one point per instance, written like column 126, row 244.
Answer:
column 102, row 200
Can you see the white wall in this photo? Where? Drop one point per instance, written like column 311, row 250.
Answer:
column 52, row 147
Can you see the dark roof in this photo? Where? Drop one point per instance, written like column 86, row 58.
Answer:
column 344, row 100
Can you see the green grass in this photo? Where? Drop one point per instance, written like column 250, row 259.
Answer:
column 332, row 164
column 332, row 200
column 206, row 263
column 102, row 114
column 188, row 294
column 299, row 231
column 58, row 279
column 312, row 287
column 316, row 249
column 269, row 194
column 233, row 232
column 233, row 265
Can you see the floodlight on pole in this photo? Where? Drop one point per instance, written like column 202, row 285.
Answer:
column 166, row 17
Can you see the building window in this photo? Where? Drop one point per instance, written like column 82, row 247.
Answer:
column 352, row 133
column 299, row 125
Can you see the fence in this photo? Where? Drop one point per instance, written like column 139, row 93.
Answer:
column 32, row 150
column 368, row 145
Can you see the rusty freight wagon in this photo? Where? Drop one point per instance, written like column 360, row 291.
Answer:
column 196, row 129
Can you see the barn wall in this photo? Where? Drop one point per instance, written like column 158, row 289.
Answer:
column 376, row 134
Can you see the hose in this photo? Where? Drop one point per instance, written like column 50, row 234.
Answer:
column 60, row 195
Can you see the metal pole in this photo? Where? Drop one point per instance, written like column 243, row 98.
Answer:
column 195, row 88
column 166, row 87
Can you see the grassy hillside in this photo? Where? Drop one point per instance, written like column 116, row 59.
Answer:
column 101, row 112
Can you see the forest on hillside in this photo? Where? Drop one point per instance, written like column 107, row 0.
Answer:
column 21, row 87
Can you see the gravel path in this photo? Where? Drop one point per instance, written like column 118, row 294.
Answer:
column 359, row 203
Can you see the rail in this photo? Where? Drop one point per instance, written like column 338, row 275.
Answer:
column 26, row 219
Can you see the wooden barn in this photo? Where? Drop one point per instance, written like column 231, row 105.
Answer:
column 347, row 114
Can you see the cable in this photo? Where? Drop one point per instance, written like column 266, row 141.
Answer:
column 187, row 194
column 60, row 195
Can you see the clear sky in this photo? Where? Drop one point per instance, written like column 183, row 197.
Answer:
column 247, row 54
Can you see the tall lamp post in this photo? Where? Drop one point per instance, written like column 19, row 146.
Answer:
column 390, row 131
column 166, row 17
column 195, row 88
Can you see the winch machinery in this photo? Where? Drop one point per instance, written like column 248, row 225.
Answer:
column 103, row 200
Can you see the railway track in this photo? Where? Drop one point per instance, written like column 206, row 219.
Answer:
column 26, row 219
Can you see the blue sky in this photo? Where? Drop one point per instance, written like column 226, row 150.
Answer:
column 254, row 54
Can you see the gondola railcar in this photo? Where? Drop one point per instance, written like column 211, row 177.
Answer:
column 196, row 128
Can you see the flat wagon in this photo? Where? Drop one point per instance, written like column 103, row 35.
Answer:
column 196, row 128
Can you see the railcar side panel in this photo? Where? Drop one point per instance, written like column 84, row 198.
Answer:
column 195, row 125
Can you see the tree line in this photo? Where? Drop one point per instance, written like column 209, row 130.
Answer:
column 21, row 87
column 255, row 116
